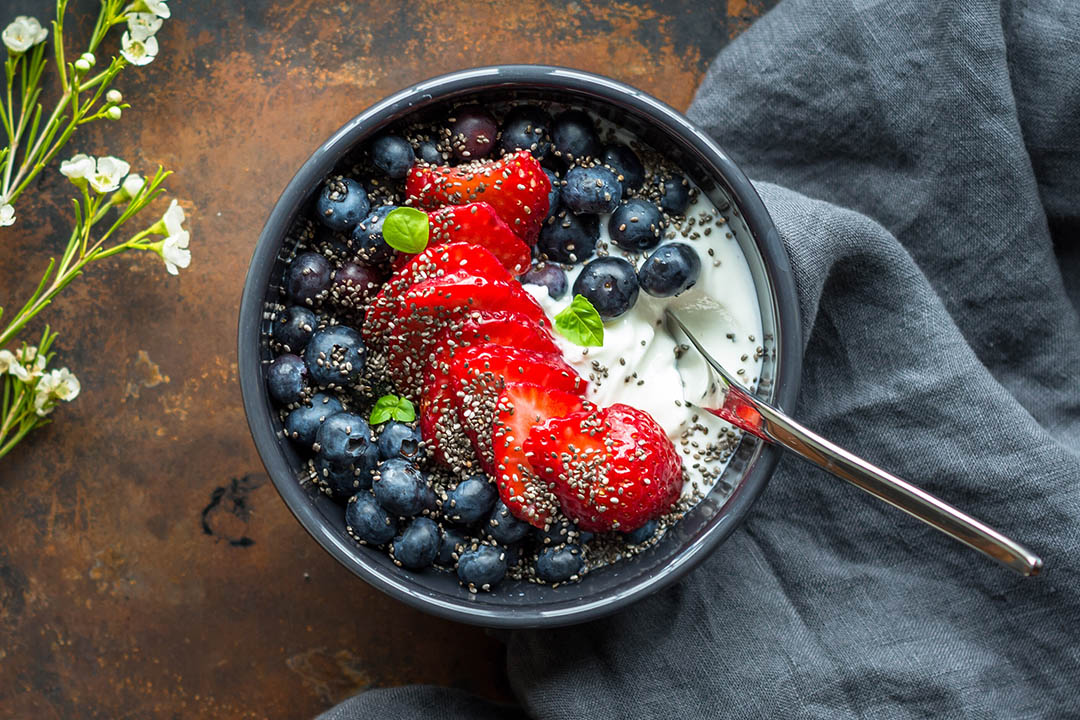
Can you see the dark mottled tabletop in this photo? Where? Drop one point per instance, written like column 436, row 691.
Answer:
column 147, row 566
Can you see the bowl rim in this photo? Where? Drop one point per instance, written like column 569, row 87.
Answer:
column 777, row 266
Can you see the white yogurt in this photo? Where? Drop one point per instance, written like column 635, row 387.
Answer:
column 722, row 312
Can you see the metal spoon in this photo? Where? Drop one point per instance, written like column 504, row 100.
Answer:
column 761, row 419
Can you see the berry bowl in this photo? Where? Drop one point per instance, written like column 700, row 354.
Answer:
column 425, row 252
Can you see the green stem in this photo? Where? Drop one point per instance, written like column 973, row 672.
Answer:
column 9, row 418
column 23, row 432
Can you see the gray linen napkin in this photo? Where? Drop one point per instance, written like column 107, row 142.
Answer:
column 922, row 161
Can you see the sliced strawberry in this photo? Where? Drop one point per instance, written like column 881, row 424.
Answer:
column 514, row 185
column 477, row 376
column 494, row 328
column 433, row 306
column 611, row 469
column 436, row 408
column 519, row 408
column 478, row 223
column 432, row 263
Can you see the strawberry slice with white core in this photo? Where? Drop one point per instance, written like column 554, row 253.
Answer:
column 479, row 373
column 521, row 406
column 438, row 414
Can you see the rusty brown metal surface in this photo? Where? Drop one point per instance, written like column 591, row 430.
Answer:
column 147, row 567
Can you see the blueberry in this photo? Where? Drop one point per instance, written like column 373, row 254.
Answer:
column 367, row 238
column 418, row 545
column 610, row 284
column 473, row 132
column 482, row 568
column 591, row 190
column 574, row 134
column 431, row 503
column 672, row 269
column 393, row 155
column 343, row 482
column 399, row 440
column 471, row 500
column 307, row 277
column 428, row 152
column 569, row 238
column 554, row 193
column 625, row 162
column 367, row 522
column 345, row 443
column 286, row 378
column 335, row 356
column 293, row 327
column 332, row 244
column 342, row 203
column 559, row 564
column 352, row 284
column 526, row 127
column 304, row 422
column 550, row 276
column 399, row 487
column 676, row 195
column 636, row 225
column 512, row 554
column 453, row 543
column 642, row 534
column 503, row 526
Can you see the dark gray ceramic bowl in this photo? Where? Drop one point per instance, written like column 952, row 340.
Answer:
column 519, row 604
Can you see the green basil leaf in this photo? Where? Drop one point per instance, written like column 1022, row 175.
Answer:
column 391, row 407
column 406, row 229
column 580, row 323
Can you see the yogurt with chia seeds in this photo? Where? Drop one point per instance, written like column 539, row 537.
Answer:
column 641, row 364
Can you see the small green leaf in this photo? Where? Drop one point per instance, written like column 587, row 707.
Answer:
column 406, row 229
column 580, row 323
column 391, row 407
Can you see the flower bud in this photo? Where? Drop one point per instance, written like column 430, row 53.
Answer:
column 82, row 66
column 114, row 96
column 113, row 113
column 89, row 58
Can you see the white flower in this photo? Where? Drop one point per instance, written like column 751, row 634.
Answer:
column 10, row 364
column 108, row 173
column 133, row 183
column 30, row 358
column 173, row 219
column 66, row 385
column 56, row 385
column 175, row 253
column 155, row 7
column 78, row 169
column 23, row 34
column 7, row 214
column 138, row 52
column 143, row 25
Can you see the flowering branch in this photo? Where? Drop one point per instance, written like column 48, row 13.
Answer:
column 109, row 194
column 78, row 104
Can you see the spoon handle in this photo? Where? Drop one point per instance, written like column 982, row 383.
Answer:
column 759, row 418
column 768, row 423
